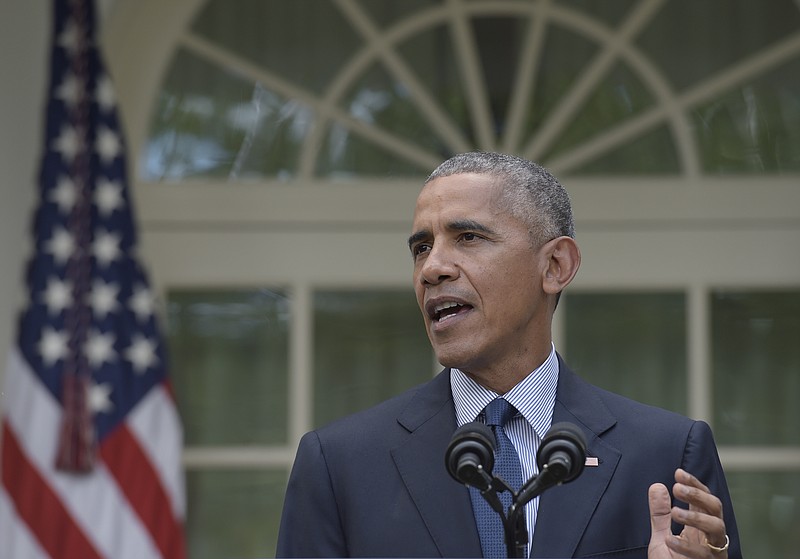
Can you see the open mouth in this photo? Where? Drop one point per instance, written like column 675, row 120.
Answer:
column 448, row 310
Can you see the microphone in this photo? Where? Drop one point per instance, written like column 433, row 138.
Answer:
column 561, row 458
column 470, row 455
column 562, row 452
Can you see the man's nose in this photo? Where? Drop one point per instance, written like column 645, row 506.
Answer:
column 439, row 266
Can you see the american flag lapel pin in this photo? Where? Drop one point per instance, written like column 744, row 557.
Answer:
column 592, row 461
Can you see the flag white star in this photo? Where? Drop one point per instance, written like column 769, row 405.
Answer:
column 69, row 90
column 68, row 143
column 141, row 353
column 108, row 196
column 53, row 345
column 70, row 37
column 100, row 398
column 99, row 348
column 103, row 298
column 108, row 144
column 64, row 194
column 61, row 245
column 142, row 302
column 57, row 295
column 106, row 247
column 104, row 95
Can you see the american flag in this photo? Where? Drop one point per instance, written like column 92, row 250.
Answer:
column 91, row 438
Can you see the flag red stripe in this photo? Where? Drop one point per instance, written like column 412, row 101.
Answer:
column 167, row 384
column 39, row 507
column 142, row 486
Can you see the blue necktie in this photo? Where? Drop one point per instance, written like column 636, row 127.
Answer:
column 507, row 467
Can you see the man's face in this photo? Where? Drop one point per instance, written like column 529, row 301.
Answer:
column 478, row 278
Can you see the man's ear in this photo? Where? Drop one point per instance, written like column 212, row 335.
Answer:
column 563, row 258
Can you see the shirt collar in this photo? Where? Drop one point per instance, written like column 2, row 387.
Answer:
column 534, row 396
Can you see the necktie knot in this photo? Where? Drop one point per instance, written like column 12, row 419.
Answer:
column 498, row 412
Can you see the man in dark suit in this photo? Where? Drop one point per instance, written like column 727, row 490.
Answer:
column 493, row 247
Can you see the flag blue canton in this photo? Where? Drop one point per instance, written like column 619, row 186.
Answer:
column 90, row 310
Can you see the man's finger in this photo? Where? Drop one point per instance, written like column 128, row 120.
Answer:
column 660, row 513
column 691, row 490
column 684, row 477
column 710, row 528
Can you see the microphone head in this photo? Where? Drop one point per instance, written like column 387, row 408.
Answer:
column 563, row 451
column 471, row 450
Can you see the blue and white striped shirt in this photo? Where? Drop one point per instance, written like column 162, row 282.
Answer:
column 534, row 397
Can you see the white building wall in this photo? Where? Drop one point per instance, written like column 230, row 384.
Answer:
column 24, row 29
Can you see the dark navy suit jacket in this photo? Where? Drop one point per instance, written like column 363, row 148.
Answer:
column 374, row 484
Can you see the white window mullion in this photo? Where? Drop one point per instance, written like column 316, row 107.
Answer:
column 300, row 363
column 698, row 345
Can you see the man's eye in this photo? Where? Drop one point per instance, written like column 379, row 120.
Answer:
column 469, row 236
column 419, row 249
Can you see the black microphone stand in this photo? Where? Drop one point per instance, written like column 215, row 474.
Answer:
column 514, row 527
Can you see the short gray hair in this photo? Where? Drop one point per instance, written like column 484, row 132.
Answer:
column 531, row 192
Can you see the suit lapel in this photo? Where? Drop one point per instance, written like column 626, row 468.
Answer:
column 565, row 511
column 443, row 503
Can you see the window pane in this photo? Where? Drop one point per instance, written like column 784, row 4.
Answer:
column 557, row 74
column 430, row 53
column 651, row 153
column 756, row 367
column 230, row 365
column 368, row 346
column 234, row 513
column 392, row 12
column 214, row 123
column 767, row 506
column 303, row 41
column 499, row 42
column 607, row 13
column 633, row 344
column 620, row 96
column 347, row 155
column 722, row 33
column 754, row 128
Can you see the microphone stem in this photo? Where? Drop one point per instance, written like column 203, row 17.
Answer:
column 536, row 486
column 516, row 530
